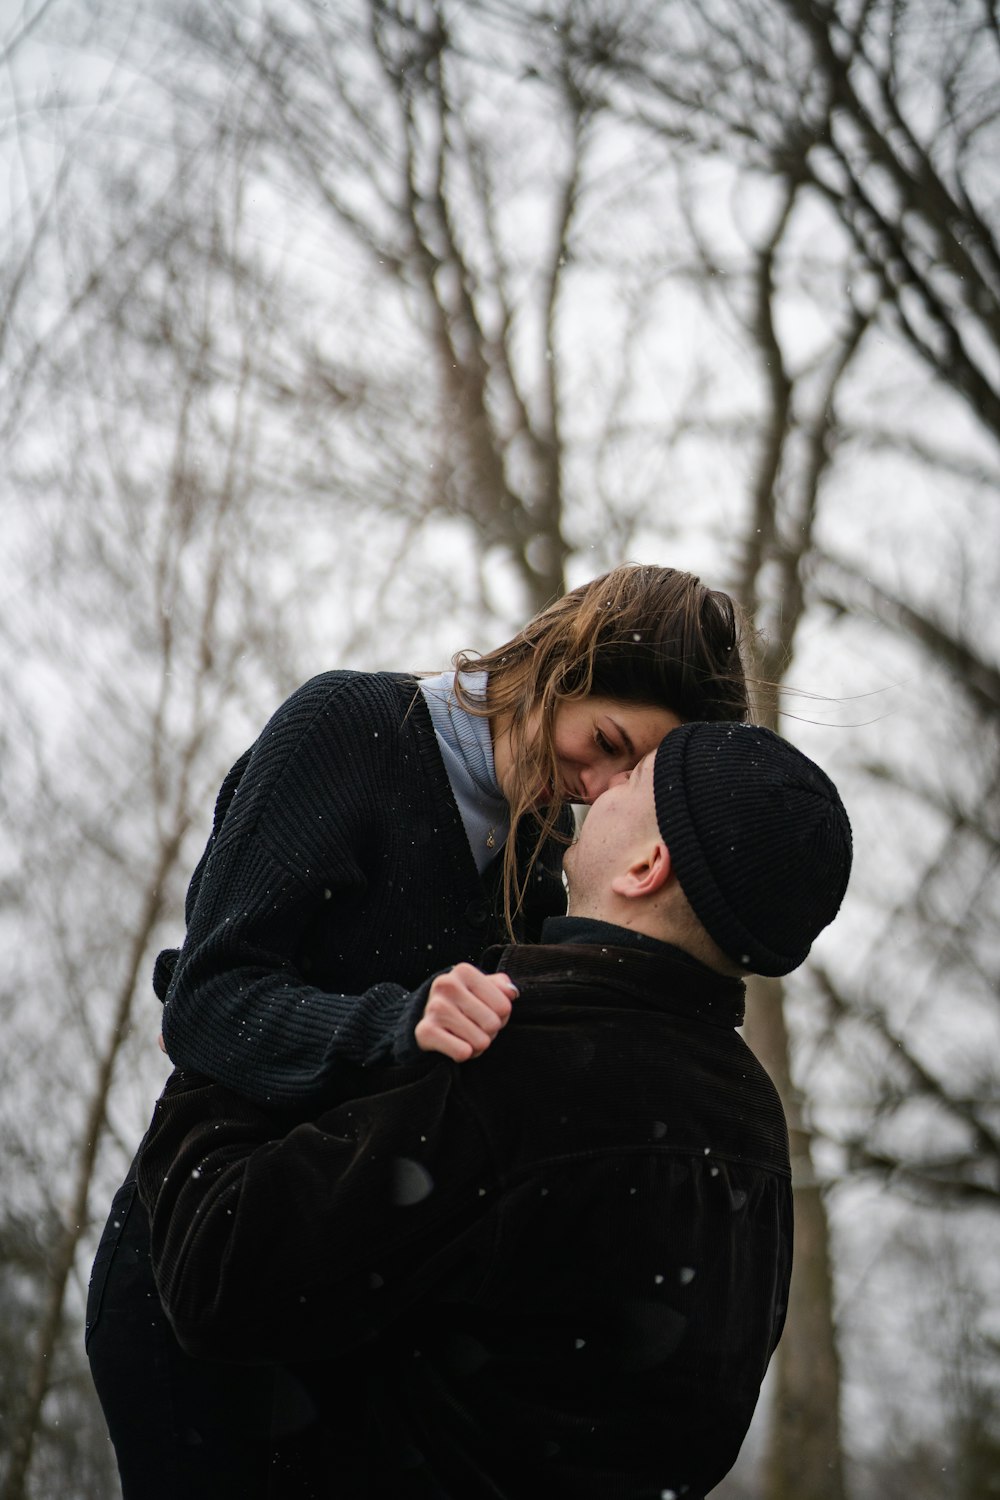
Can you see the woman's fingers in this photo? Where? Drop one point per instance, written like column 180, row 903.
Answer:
column 465, row 1010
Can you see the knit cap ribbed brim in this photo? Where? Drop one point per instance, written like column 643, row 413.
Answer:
column 758, row 837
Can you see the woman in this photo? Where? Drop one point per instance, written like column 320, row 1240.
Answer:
column 380, row 830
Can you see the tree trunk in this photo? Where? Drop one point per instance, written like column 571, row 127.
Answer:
column 803, row 1457
column 40, row 1373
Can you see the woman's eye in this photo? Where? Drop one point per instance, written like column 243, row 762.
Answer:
column 605, row 744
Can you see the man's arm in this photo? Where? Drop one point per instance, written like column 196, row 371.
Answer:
column 287, row 1246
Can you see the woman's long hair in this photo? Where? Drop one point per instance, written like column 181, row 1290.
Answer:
column 639, row 634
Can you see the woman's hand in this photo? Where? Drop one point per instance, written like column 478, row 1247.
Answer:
column 465, row 1010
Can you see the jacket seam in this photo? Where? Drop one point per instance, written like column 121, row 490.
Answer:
column 593, row 1153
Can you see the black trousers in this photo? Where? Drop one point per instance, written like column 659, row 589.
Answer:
column 181, row 1427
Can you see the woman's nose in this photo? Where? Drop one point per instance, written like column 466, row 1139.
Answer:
column 594, row 782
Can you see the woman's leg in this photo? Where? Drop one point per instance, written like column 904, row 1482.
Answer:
column 180, row 1426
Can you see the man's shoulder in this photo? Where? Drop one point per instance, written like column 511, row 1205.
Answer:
column 609, row 1051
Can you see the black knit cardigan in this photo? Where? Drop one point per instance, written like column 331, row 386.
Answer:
column 337, row 880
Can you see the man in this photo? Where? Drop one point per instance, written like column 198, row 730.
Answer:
column 560, row 1269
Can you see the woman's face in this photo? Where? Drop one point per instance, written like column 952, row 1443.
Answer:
column 593, row 739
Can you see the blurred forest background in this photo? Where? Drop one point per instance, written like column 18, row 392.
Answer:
column 350, row 333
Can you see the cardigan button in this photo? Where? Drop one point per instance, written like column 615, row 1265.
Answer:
column 477, row 913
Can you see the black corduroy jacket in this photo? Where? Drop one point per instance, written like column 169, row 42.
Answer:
column 338, row 877
column 557, row 1270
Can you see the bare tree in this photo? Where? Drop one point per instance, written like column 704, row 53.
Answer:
column 929, row 1123
column 142, row 506
column 399, row 157
column 390, row 316
column 870, row 123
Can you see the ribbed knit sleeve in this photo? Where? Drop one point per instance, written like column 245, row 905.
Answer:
column 298, row 889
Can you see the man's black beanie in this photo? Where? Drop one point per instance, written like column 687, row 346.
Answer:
column 758, row 838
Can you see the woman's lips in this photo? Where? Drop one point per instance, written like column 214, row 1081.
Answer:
column 570, row 794
column 546, row 795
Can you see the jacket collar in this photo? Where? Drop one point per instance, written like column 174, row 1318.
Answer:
column 622, row 968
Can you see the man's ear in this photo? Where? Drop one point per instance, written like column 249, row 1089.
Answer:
column 646, row 874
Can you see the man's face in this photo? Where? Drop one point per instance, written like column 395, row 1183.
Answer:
column 619, row 826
